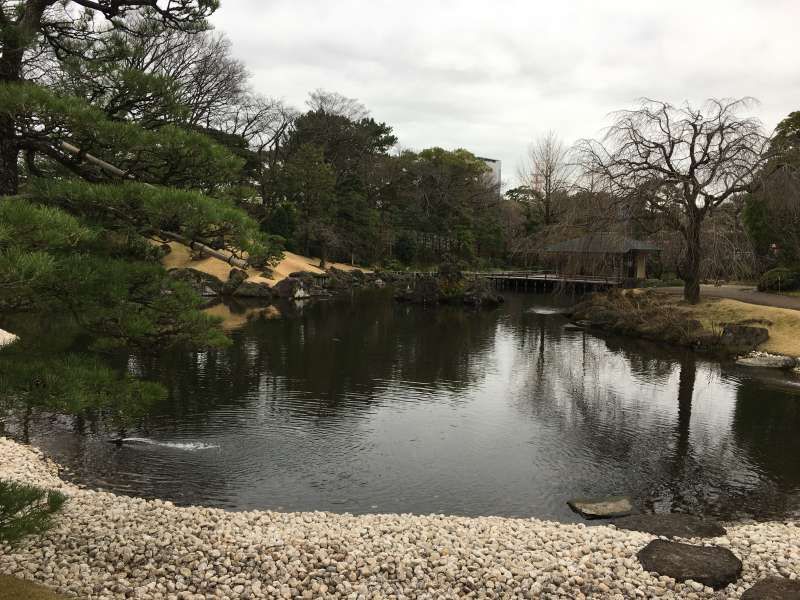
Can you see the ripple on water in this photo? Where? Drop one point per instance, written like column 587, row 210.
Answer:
column 462, row 412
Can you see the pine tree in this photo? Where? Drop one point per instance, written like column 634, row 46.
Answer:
column 76, row 240
column 26, row 510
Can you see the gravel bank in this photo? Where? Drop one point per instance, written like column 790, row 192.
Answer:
column 108, row 546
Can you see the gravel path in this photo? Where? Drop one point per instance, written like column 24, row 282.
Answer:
column 741, row 293
column 107, row 546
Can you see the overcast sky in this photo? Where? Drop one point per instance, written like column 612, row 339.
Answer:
column 490, row 76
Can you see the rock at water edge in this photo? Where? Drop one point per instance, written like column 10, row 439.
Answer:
column 602, row 508
column 767, row 361
column 774, row 588
column 710, row 565
column 6, row 338
column 672, row 525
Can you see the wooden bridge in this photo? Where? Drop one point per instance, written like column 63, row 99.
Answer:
column 524, row 280
column 538, row 280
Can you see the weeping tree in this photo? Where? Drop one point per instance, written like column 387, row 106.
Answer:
column 678, row 165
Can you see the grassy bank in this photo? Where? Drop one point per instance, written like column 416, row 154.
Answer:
column 783, row 324
column 12, row 588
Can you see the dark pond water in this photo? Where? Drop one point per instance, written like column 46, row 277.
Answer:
column 362, row 405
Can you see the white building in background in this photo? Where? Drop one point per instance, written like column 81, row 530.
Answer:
column 495, row 166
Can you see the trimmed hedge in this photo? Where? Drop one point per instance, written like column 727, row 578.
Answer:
column 779, row 280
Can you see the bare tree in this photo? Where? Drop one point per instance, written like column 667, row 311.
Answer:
column 548, row 174
column 679, row 164
column 336, row 104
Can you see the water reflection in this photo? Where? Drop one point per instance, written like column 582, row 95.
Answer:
column 364, row 405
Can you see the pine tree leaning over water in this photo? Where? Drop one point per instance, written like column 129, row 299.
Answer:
column 74, row 241
column 79, row 241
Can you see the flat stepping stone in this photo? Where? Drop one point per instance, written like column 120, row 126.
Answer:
column 573, row 327
column 710, row 565
column 768, row 361
column 672, row 525
column 774, row 588
column 602, row 508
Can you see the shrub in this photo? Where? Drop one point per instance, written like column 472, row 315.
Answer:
column 26, row 510
column 779, row 280
column 657, row 283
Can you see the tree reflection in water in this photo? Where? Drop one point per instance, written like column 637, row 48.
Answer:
column 361, row 403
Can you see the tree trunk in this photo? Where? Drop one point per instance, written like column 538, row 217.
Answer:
column 9, row 151
column 691, row 262
column 10, row 71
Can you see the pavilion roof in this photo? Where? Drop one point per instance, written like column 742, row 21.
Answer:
column 601, row 243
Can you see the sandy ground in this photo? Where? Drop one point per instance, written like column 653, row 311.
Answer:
column 742, row 293
column 783, row 323
column 180, row 257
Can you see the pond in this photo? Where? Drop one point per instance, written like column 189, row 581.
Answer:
column 362, row 405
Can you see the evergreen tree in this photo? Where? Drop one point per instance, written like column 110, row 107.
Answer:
column 26, row 510
column 74, row 240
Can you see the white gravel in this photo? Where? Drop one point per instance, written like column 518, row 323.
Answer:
column 108, row 546
column 7, row 338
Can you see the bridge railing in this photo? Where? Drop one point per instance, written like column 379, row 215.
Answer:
column 542, row 275
column 532, row 275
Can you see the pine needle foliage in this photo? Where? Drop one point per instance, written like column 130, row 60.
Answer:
column 81, row 246
column 26, row 510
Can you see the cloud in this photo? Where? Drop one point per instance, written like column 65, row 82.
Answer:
column 490, row 76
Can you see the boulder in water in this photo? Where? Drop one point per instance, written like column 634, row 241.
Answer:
column 767, row 361
column 204, row 284
column 235, row 278
column 291, row 288
column 253, row 289
column 672, row 525
column 737, row 338
column 602, row 508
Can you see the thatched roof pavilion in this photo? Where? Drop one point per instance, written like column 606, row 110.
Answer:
column 607, row 252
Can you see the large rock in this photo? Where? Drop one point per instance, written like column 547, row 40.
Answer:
column 339, row 280
column 204, row 284
column 601, row 508
column 423, row 290
column 710, row 565
column 253, row 289
column 768, row 361
column 291, row 288
column 672, row 525
column 774, row 588
column 479, row 293
column 235, row 278
column 738, row 339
